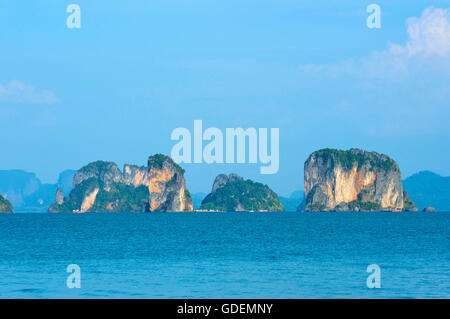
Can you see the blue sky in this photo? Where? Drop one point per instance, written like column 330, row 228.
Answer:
column 116, row 88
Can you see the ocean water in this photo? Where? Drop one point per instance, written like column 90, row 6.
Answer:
column 225, row 255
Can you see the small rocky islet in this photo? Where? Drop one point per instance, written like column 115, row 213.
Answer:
column 334, row 180
column 232, row 193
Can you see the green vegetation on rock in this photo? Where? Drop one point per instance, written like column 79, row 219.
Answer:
column 122, row 198
column 333, row 178
column 242, row 195
column 363, row 206
column 188, row 194
column 408, row 204
column 158, row 160
column 348, row 158
column 102, row 187
column 96, row 167
column 77, row 195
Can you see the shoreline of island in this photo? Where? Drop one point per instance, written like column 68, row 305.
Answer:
column 335, row 180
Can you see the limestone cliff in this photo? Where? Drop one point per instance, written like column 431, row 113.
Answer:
column 59, row 197
column 353, row 180
column 233, row 193
column 408, row 204
column 101, row 187
column 5, row 205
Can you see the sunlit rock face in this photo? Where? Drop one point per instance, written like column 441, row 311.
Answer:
column 59, row 197
column 101, row 187
column 165, row 182
column 353, row 180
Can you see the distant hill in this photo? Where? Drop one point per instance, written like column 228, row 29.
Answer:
column 429, row 189
column 26, row 191
column 292, row 202
column 15, row 185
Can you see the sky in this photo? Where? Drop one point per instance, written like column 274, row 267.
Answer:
column 117, row 87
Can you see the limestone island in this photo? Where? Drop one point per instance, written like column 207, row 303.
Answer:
column 232, row 194
column 353, row 180
column 5, row 205
column 101, row 187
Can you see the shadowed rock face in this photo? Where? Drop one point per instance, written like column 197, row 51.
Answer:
column 101, row 187
column 353, row 180
column 408, row 205
column 105, row 172
column 5, row 205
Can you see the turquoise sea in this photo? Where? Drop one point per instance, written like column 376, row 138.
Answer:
column 225, row 255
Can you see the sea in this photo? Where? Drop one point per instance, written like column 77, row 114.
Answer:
column 225, row 255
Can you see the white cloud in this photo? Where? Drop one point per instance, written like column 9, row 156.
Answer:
column 18, row 92
column 429, row 34
column 427, row 48
column 403, row 89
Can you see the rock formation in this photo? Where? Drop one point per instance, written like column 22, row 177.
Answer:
column 429, row 209
column 353, row 180
column 59, row 197
column 408, row 204
column 233, row 193
column 5, row 205
column 101, row 187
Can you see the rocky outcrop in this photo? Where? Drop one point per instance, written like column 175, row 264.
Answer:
column 429, row 209
column 353, row 180
column 106, row 173
column 165, row 182
column 232, row 193
column 17, row 185
column 5, row 205
column 101, row 187
column 59, row 197
column 222, row 179
column 408, row 204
